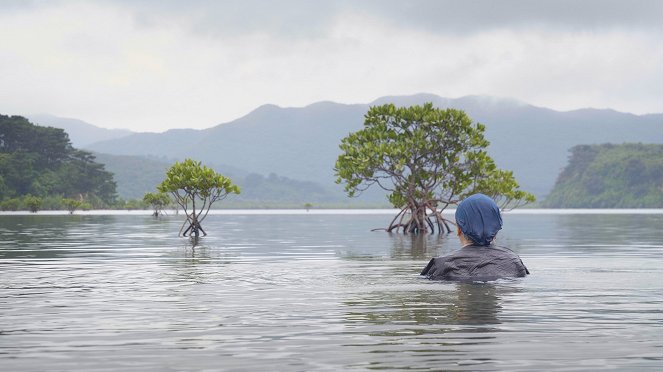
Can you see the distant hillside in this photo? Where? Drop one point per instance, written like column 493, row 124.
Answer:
column 610, row 176
column 80, row 133
column 302, row 143
column 136, row 175
column 292, row 142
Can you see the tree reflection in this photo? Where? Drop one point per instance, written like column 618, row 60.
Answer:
column 420, row 246
column 196, row 252
column 52, row 236
column 191, row 266
column 612, row 228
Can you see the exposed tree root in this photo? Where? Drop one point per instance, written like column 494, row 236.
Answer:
column 415, row 219
column 194, row 229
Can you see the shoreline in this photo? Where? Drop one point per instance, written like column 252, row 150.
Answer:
column 330, row 211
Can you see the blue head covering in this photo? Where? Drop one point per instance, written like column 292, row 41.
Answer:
column 479, row 218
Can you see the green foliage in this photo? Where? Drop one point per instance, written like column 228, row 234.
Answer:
column 422, row 153
column 425, row 158
column 52, row 202
column 72, row 204
column 193, row 180
column 189, row 183
column 33, row 203
column 12, row 204
column 157, row 200
column 610, row 176
column 133, row 204
column 40, row 161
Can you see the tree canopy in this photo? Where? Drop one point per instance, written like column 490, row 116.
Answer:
column 426, row 158
column 610, row 176
column 195, row 188
column 41, row 161
column 157, row 200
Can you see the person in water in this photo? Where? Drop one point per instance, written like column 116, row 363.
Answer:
column 478, row 219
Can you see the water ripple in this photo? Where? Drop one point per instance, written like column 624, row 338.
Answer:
column 322, row 292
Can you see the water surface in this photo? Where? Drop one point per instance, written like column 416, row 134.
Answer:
column 309, row 291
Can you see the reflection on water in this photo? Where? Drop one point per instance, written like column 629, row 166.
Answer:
column 323, row 292
column 475, row 304
column 420, row 246
column 619, row 230
column 428, row 326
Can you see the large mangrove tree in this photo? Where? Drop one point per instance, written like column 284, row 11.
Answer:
column 427, row 159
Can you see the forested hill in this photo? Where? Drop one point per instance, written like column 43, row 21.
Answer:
column 136, row 175
column 40, row 161
column 610, row 176
column 302, row 143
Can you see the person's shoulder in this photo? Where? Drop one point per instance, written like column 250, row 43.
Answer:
column 502, row 249
column 439, row 264
column 507, row 253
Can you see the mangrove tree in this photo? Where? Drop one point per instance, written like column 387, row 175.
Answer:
column 427, row 159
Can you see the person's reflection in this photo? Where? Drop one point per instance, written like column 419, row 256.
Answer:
column 476, row 304
column 435, row 321
column 470, row 304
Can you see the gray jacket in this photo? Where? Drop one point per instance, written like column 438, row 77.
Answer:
column 475, row 262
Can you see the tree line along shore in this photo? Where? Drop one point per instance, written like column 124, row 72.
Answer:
column 41, row 170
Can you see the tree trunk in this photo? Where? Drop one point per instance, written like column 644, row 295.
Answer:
column 419, row 220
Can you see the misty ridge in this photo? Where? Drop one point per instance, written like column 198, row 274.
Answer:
column 292, row 150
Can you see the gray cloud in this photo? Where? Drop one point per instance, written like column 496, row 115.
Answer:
column 310, row 19
column 157, row 64
column 290, row 18
column 477, row 15
column 22, row 5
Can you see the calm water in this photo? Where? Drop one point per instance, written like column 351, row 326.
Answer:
column 321, row 292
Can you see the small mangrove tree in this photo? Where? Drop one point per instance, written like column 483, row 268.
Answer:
column 427, row 159
column 158, row 201
column 195, row 188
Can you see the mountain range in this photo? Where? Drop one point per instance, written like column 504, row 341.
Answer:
column 302, row 143
column 80, row 133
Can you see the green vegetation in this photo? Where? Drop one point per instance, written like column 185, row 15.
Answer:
column 190, row 182
column 136, row 175
column 40, row 162
column 610, row 176
column 73, row 204
column 426, row 159
column 33, row 203
column 277, row 190
column 158, row 201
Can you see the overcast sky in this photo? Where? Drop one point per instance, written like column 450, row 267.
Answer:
column 154, row 65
